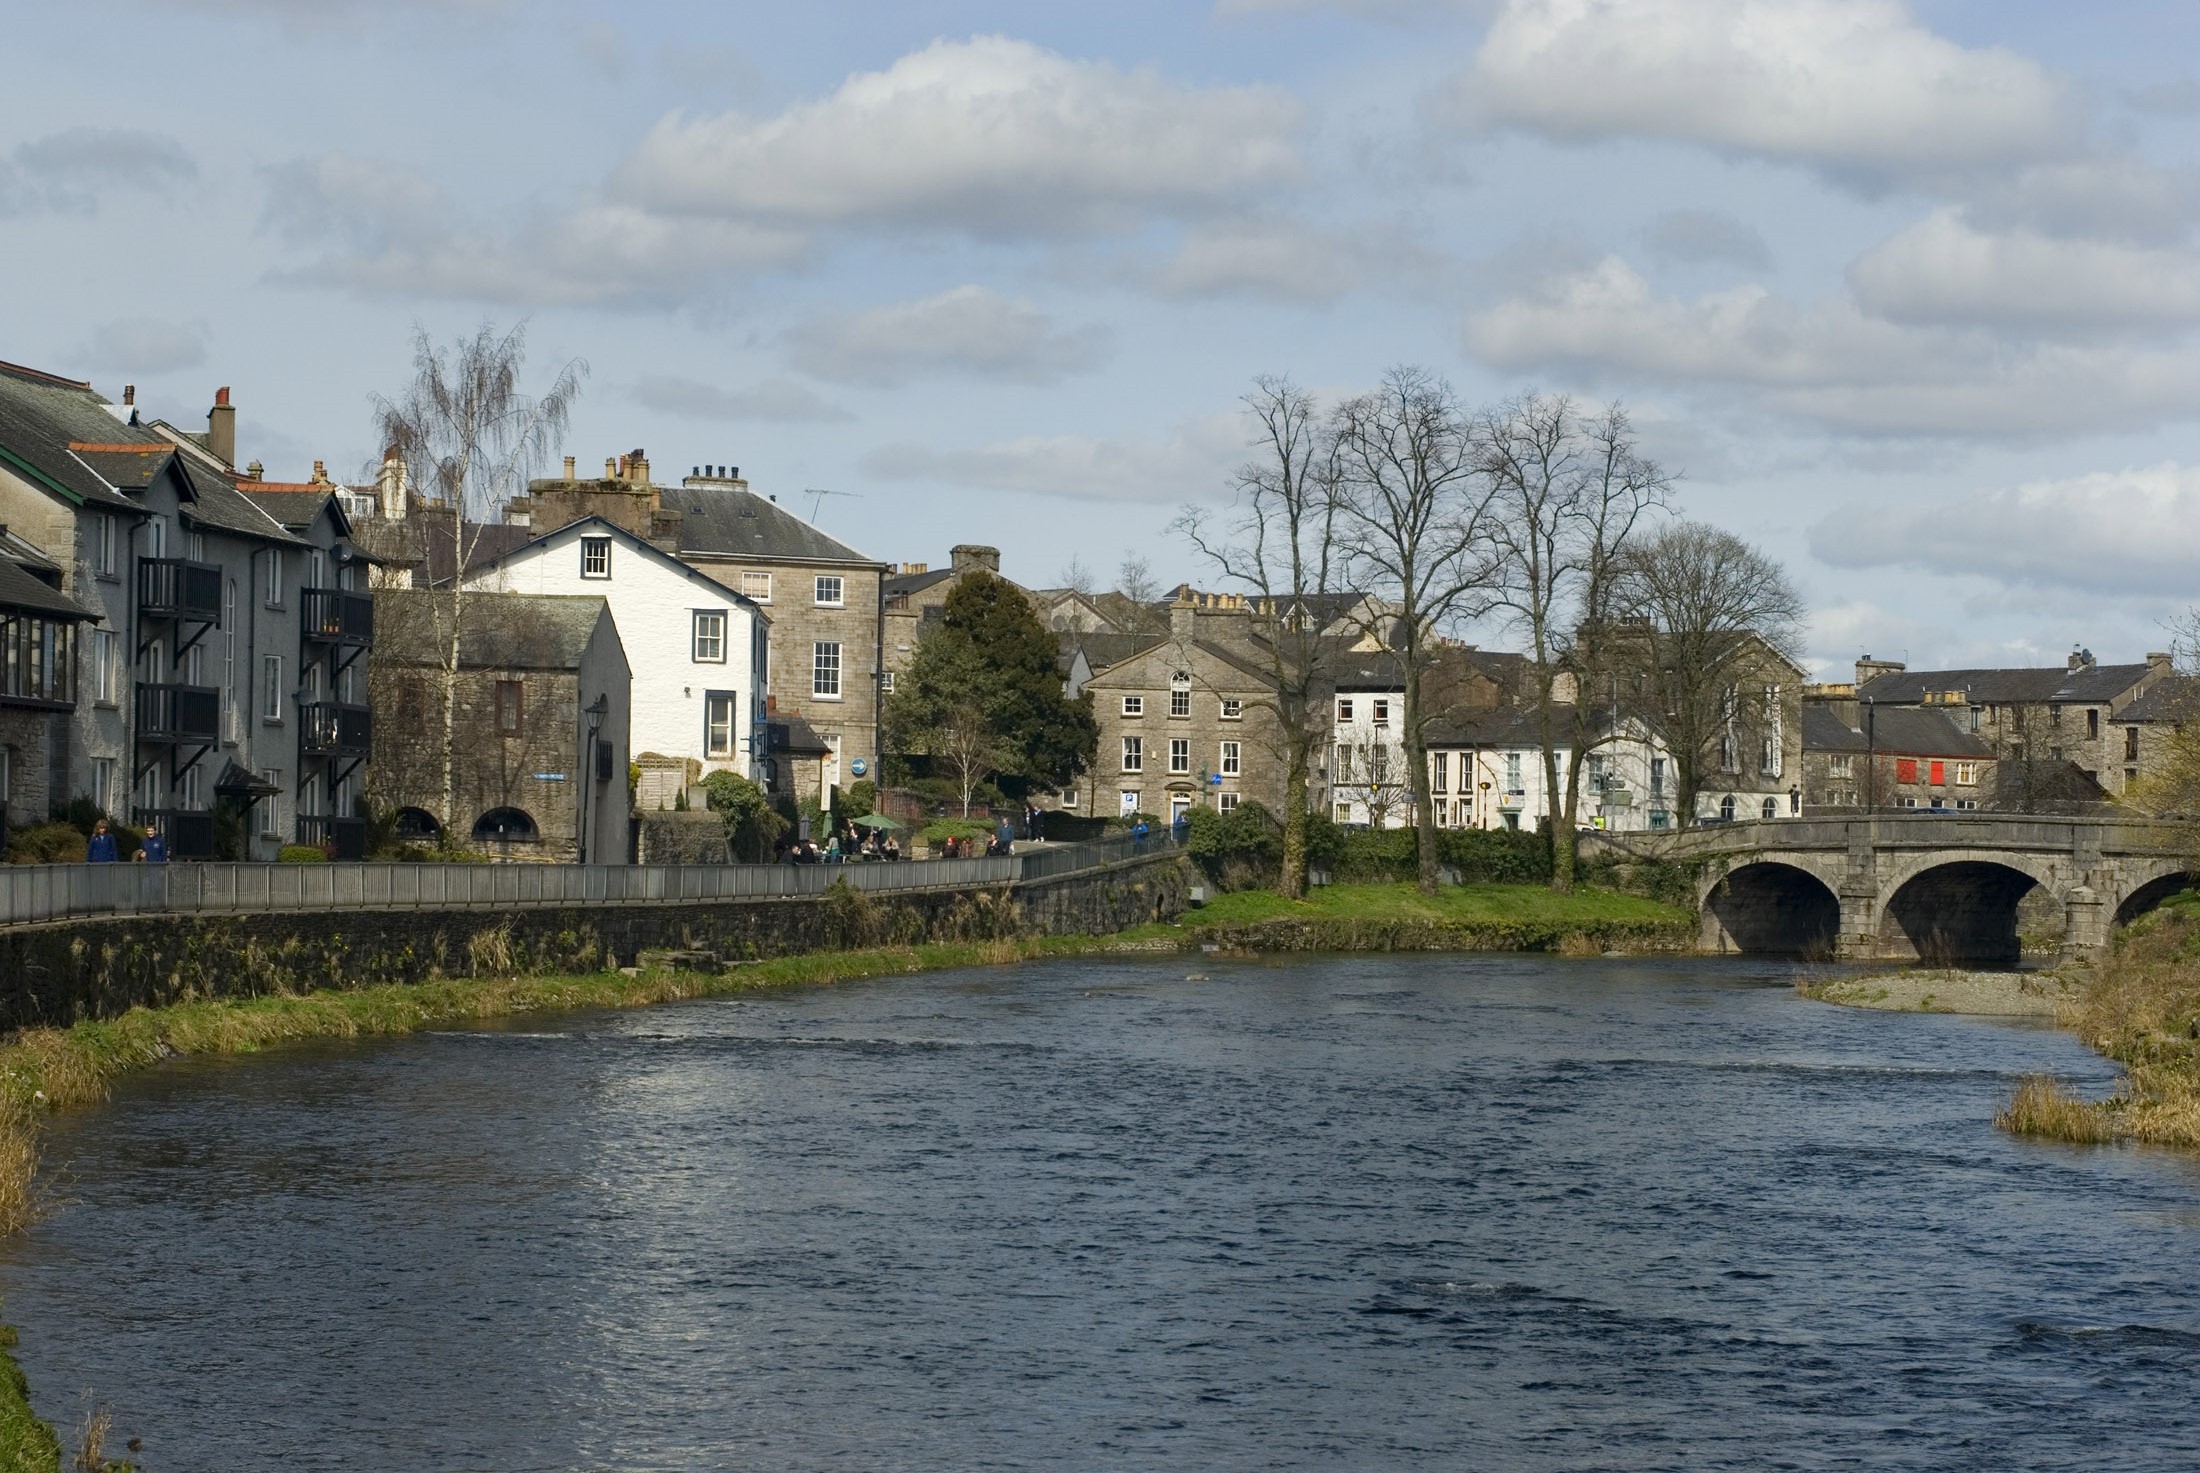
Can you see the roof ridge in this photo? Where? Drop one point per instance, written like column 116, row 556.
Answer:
column 43, row 376
column 123, row 447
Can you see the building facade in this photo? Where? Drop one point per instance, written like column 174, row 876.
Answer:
column 1889, row 758
column 1189, row 720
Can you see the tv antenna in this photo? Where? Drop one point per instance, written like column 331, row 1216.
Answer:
column 817, row 495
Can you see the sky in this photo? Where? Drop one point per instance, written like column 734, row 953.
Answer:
column 1906, row 294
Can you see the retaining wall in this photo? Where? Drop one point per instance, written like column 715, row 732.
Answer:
column 61, row 973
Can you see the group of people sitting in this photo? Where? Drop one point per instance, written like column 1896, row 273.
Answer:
column 846, row 843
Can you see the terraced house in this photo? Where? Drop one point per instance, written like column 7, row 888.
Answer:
column 212, row 648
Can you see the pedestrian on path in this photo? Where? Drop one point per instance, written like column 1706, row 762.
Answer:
column 155, row 848
column 101, row 849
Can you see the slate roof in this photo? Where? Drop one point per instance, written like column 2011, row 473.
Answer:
column 726, row 521
column 23, row 589
column 1909, row 731
column 498, row 631
column 2173, row 698
column 222, row 506
column 1499, row 726
column 2054, row 683
column 916, row 582
column 600, row 527
column 1103, row 649
column 41, row 413
column 795, row 737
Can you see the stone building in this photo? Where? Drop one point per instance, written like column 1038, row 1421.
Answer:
column 915, row 598
column 40, row 643
column 193, row 679
column 2143, row 737
column 824, row 598
column 1486, row 772
column 1889, row 757
column 2033, row 718
column 1189, row 719
column 539, row 723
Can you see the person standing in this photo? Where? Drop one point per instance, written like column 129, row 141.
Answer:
column 155, row 848
column 101, row 848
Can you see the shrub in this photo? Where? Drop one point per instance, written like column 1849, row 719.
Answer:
column 859, row 799
column 46, row 843
column 302, row 854
column 1375, row 856
column 1238, row 850
column 752, row 823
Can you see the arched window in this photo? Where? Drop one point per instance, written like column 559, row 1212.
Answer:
column 505, row 826
column 417, row 826
column 1772, row 808
column 1726, row 809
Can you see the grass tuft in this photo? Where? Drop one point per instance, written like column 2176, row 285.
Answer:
column 2041, row 1107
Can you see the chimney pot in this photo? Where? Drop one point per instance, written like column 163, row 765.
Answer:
column 610, row 468
column 569, row 467
column 320, row 473
column 129, row 393
column 221, row 395
column 254, row 471
column 221, row 428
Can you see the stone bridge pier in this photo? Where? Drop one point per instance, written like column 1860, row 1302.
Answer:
column 1930, row 889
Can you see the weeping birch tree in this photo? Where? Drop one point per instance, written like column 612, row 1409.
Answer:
column 469, row 438
column 1571, row 489
column 1279, row 543
column 1414, row 517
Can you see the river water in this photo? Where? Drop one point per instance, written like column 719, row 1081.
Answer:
column 1359, row 1213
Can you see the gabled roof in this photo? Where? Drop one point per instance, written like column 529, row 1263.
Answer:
column 497, row 631
column 41, row 413
column 2173, row 699
column 726, row 521
column 1166, row 651
column 915, row 582
column 1903, row 731
column 1104, row 649
column 2051, row 683
column 599, row 527
column 222, row 506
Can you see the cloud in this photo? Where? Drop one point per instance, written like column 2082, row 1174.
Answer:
column 2133, row 532
column 146, row 345
column 389, row 231
column 1856, row 88
column 1289, row 261
column 777, row 400
column 1705, row 237
column 68, row 172
column 1192, row 463
column 992, row 137
column 1367, row 9
column 1945, row 270
column 968, row 330
column 1831, row 363
column 2177, row 99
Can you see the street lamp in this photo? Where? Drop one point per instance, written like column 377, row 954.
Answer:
column 1871, row 758
column 595, row 712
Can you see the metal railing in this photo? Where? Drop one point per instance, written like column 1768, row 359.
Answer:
column 178, row 588
column 335, row 729
column 188, row 715
column 31, row 894
column 336, row 616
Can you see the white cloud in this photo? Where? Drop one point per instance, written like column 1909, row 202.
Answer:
column 778, row 399
column 146, row 345
column 1831, row 363
column 68, row 172
column 1288, row 261
column 2133, row 532
column 1702, row 237
column 990, row 136
column 2177, row 99
column 1945, row 270
column 1367, row 9
column 1193, row 463
column 1854, row 87
column 968, row 330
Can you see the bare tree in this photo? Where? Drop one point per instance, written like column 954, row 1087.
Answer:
column 1279, row 542
column 1077, row 578
column 1414, row 516
column 966, row 742
column 1571, row 491
column 470, row 438
column 1700, row 617
column 1134, row 580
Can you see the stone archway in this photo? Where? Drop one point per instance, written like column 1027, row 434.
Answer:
column 1772, row 908
column 1965, row 910
column 2148, row 894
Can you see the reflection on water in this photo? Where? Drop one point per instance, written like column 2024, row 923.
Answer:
column 1361, row 1213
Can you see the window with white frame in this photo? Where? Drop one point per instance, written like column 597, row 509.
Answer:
column 1180, row 754
column 1512, row 773
column 272, row 595
column 156, row 537
column 718, row 723
column 103, row 667
column 710, row 637
column 1343, row 762
column 1382, row 711
column 1775, row 734
column 1439, row 772
column 829, row 592
column 1230, row 765
column 1134, row 705
column 1180, row 701
column 1224, row 802
column 1966, row 774
column 103, row 783
column 271, row 687
column 757, row 586
column 1344, row 710
column 1233, row 709
column 194, row 546
column 1841, row 765
column 192, row 790
column 316, row 565
column 595, row 557
column 825, row 669
column 105, row 542
column 886, row 682
column 1134, row 754
column 1343, row 812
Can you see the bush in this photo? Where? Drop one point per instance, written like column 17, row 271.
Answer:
column 1238, row 850
column 859, row 800
column 752, row 822
column 302, row 854
column 1355, row 856
column 46, row 843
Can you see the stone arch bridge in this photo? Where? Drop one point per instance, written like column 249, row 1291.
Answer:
column 1975, row 887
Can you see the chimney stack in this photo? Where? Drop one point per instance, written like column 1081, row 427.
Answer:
column 569, row 467
column 1869, row 669
column 221, row 428
column 2160, row 660
column 320, row 473
column 129, row 393
column 967, row 555
column 254, row 471
column 637, row 467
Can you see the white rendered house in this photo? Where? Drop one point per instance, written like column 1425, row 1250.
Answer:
column 697, row 648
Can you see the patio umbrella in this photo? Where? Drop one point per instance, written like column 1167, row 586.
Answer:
column 876, row 821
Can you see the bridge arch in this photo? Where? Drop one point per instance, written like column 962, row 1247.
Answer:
column 2169, row 877
column 1950, row 909
column 1772, row 906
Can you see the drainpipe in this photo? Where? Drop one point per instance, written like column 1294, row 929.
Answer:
column 1871, row 758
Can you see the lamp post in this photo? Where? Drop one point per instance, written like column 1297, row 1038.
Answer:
column 1871, row 759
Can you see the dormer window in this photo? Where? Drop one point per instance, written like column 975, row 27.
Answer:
column 595, row 557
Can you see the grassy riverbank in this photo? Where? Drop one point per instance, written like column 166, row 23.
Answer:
column 2142, row 1009
column 1455, row 918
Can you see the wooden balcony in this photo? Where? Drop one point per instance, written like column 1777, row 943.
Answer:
column 179, row 715
column 177, row 588
column 335, row 616
column 335, row 729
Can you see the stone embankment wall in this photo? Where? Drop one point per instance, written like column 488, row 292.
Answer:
column 62, row 973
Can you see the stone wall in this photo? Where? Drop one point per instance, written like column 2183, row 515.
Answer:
column 61, row 974
column 28, row 738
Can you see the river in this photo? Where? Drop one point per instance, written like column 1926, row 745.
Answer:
column 1378, row 1212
